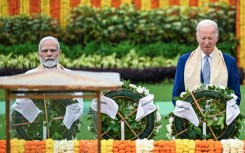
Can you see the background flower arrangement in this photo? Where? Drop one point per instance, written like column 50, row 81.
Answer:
column 128, row 99
column 212, row 101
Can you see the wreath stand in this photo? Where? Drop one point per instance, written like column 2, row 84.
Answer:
column 133, row 98
column 50, row 83
column 195, row 98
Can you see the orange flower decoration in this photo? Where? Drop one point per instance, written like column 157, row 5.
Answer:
column 164, row 146
column 88, row 146
column 2, row 146
column 124, row 146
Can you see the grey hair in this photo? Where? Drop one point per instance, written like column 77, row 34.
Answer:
column 207, row 22
column 48, row 38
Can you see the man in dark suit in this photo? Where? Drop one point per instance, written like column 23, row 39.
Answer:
column 206, row 64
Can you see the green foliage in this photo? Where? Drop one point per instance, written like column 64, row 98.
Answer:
column 21, row 29
column 109, row 37
column 168, row 50
column 19, row 49
column 129, row 60
column 21, row 61
column 124, row 24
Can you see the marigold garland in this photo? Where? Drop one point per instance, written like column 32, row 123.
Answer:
column 115, row 4
column 4, row 8
column 55, row 12
column 45, row 7
column 193, row 3
column 31, row 7
column 208, row 146
column 105, row 3
column 126, row 146
column 64, row 11
column 13, row 7
column 90, row 146
column 2, row 146
column 49, row 146
column 155, row 4
column 35, row 7
column 107, row 146
column 240, row 28
column 164, row 146
column 174, row 2
column 76, row 146
column 74, row 3
column 185, row 145
column 145, row 5
column 137, row 4
column 25, row 7
column 35, row 146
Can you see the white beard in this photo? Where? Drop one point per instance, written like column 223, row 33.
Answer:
column 49, row 62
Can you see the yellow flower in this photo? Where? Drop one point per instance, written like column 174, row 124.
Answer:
column 49, row 145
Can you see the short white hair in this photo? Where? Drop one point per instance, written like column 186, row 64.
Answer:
column 48, row 38
column 207, row 22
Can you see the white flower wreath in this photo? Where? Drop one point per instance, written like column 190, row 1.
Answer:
column 212, row 101
column 127, row 99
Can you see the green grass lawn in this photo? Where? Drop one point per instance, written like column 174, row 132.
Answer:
column 162, row 92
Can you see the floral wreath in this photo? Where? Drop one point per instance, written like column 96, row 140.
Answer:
column 127, row 99
column 52, row 112
column 212, row 105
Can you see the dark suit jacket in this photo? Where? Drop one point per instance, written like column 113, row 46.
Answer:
column 233, row 76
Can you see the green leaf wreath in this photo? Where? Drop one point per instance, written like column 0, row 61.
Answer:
column 127, row 99
column 212, row 101
column 51, row 116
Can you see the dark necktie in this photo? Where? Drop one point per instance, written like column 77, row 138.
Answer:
column 206, row 71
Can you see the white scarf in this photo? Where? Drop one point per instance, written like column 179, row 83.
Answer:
column 192, row 72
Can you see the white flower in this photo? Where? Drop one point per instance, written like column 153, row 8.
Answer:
column 196, row 87
column 170, row 136
column 146, row 92
column 234, row 96
column 169, row 128
column 171, row 119
column 232, row 146
column 157, row 128
column 205, row 87
column 182, row 94
column 158, row 117
column 144, row 146
column 157, row 107
column 139, row 89
column 221, row 87
column 132, row 85
column 56, row 146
